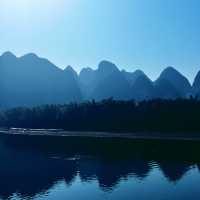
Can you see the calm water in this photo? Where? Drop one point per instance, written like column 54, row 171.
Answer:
column 45, row 168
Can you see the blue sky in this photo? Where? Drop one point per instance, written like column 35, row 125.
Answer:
column 145, row 34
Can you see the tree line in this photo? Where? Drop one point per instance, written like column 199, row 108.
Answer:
column 180, row 115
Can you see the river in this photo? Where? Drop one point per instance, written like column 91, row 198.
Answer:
column 47, row 168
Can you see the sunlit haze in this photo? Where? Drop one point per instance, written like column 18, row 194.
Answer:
column 144, row 34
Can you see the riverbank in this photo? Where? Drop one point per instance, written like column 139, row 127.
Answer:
column 135, row 135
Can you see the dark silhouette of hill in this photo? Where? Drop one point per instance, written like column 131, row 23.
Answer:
column 196, row 85
column 105, row 82
column 110, row 82
column 30, row 80
column 87, row 80
column 71, row 73
column 177, row 80
column 131, row 77
column 165, row 90
column 143, row 88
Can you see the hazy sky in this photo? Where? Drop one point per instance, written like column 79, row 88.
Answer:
column 145, row 34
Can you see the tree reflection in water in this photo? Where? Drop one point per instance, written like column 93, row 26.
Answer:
column 31, row 165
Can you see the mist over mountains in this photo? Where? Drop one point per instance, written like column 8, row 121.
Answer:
column 30, row 80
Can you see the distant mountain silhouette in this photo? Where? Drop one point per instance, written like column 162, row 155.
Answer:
column 196, row 85
column 30, row 80
column 164, row 89
column 143, row 88
column 87, row 79
column 110, row 82
column 71, row 73
column 176, row 80
column 131, row 77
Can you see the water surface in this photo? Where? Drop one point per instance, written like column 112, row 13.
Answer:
column 47, row 168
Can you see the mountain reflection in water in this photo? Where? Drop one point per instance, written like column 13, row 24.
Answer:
column 32, row 165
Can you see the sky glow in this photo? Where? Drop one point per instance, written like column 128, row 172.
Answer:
column 144, row 34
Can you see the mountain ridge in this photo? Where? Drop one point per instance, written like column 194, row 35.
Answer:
column 32, row 80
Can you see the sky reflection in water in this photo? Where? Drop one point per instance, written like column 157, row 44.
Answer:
column 32, row 169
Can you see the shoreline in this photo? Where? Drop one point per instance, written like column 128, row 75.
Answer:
column 104, row 135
